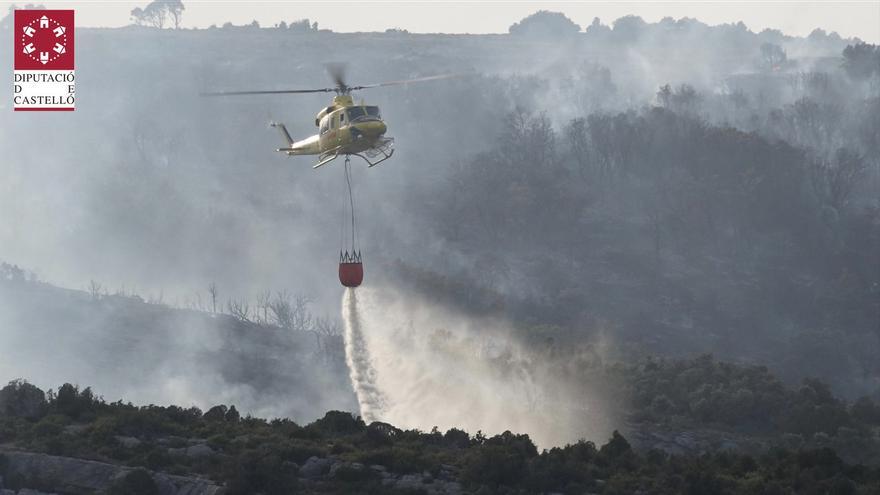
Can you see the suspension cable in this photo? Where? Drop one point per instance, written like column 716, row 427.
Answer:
column 342, row 222
column 354, row 239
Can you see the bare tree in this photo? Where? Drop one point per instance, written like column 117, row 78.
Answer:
column 282, row 310
column 291, row 312
column 239, row 310
column 95, row 290
column 664, row 95
column 156, row 12
column 175, row 10
column 328, row 339
column 212, row 290
column 264, row 299
column 773, row 55
column 835, row 180
column 157, row 300
column 843, row 177
column 137, row 15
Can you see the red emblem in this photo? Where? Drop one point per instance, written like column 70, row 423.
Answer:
column 43, row 40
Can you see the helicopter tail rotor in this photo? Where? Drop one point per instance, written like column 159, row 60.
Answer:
column 283, row 130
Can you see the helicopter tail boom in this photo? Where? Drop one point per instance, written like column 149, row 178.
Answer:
column 308, row 146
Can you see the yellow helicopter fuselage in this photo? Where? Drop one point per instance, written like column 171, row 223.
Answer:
column 344, row 128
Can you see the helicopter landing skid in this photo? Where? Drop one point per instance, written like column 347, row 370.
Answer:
column 383, row 151
column 325, row 159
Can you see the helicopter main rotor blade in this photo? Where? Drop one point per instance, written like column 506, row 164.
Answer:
column 336, row 70
column 407, row 81
column 269, row 92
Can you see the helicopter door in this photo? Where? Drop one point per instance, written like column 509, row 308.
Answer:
column 337, row 123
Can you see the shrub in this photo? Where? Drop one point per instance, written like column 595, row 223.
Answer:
column 136, row 482
column 494, row 465
column 338, row 423
column 216, row 413
column 353, row 475
column 21, row 399
column 72, row 403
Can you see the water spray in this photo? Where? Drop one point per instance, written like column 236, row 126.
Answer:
column 357, row 356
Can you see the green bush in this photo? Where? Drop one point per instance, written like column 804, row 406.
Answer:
column 135, row 482
column 49, row 426
column 157, row 458
column 23, row 400
column 494, row 466
column 352, row 475
column 338, row 423
column 258, row 472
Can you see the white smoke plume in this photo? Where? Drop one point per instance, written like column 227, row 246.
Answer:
column 415, row 365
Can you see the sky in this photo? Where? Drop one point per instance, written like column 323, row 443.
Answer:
column 847, row 18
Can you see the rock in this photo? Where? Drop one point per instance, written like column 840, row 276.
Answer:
column 444, row 488
column 687, row 442
column 127, row 442
column 315, row 467
column 71, row 475
column 409, row 482
column 337, row 465
column 670, row 448
column 200, row 450
column 75, row 429
column 447, row 473
column 378, row 468
column 28, row 491
column 172, row 441
column 729, row 446
column 333, row 468
column 453, row 488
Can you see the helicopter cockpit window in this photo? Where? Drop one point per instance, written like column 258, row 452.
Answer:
column 325, row 126
column 372, row 111
column 355, row 112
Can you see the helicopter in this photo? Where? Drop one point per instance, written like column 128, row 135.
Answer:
column 344, row 127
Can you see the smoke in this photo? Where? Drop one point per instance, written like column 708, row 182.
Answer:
column 152, row 354
column 431, row 367
column 357, row 356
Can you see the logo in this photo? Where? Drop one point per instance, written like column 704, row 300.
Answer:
column 44, row 77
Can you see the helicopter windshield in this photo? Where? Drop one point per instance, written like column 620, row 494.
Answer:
column 361, row 113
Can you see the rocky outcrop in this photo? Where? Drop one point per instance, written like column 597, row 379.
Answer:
column 79, row 476
column 317, row 470
column 194, row 451
column 24, row 491
column 690, row 441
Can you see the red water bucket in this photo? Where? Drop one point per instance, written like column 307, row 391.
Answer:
column 351, row 274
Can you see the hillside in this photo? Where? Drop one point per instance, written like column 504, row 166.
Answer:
column 712, row 427
column 637, row 258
